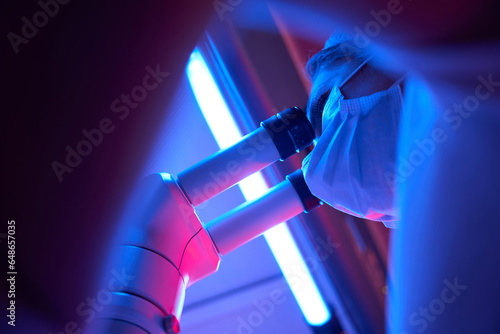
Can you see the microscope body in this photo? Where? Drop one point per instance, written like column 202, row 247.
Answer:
column 163, row 246
column 165, row 249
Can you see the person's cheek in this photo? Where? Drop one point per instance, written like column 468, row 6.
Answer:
column 314, row 112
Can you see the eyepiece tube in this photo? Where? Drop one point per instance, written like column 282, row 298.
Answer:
column 249, row 220
column 277, row 138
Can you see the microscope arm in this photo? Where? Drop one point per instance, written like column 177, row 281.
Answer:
column 164, row 248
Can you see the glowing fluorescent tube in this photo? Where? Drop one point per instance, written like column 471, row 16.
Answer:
column 212, row 104
column 279, row 238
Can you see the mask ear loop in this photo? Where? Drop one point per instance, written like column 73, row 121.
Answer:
column 397, row 82
column 355, row 71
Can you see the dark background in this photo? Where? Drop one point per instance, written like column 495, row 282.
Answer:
column 58, row 84
column 64, row 80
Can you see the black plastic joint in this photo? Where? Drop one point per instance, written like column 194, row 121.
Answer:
column 278, row 132
column 299, row 128
column 290, row 131
column 309, row 201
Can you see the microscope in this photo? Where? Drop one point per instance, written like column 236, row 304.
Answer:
column 165, row 247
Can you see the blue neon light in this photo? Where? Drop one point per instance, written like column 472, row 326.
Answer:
column 280, row 240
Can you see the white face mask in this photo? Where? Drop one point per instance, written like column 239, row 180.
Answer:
column 351, row 164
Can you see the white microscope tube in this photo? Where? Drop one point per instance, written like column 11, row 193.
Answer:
column 251, row 219
column 278, row 138
column 227, row 167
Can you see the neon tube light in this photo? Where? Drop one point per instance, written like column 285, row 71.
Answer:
column 280, row 240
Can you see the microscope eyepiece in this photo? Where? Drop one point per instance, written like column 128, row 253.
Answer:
column 278, row 138
column 290, row 131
